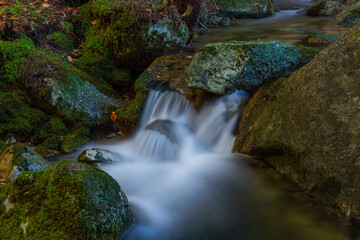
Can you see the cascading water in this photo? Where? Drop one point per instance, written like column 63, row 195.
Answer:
column 183, row 182
column 178, row 179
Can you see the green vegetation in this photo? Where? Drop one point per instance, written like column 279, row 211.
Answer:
column 64, row 202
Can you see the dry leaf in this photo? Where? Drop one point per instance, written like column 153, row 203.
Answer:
column 94, row 22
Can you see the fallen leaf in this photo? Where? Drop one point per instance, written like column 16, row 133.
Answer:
column 94, row 22
column 45, row 5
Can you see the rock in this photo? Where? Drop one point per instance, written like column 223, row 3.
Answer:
column 166, row 128
column 17, row 158
column 68, row 201
column 167, row 70
column 246, row 8
column 66, row 27
column 307, row 125
column 324, row 8
column 349, row 17
column 316, row 39
column 57, row 85
column 138, row 32
column 98, row 157
column 221, row 68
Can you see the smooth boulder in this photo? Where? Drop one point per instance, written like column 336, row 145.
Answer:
column 222, row 68
column 99, row 157
column 307, row 125
column 325, row 8
column 68, row 201
column 17, row 158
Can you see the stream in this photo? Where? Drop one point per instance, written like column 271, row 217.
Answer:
column 181, row 178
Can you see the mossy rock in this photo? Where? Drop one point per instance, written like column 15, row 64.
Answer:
column 246, row 8
column 222, row 68
column 68, row 201
column 57, row 85
column 17, row 158
column 130, row 33
column 308, row 125
column 324, row 8
column 349, row 17
column 61, row 40
column 315, row 39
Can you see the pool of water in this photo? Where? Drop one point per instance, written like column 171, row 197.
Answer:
column 289, row 26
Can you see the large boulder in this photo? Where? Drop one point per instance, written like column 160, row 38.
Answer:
column 246, row 8
column 69, row 201
column 307, row 125
column 57, row 85
column 17, row 158
column 221, row 68
column 325, row 8
column 349, row 17
column 133, row 32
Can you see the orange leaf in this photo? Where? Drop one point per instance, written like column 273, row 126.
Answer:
column 94, row 22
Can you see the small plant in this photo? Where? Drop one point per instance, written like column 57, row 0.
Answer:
column 22, row 10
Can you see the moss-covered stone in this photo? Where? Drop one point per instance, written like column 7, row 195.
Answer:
column 61, row 41
column 324, row 8
column 17, row 158
column 69, row 201
column 133, row 35
column 316, row 39
column 349, row 17
column 221, row 68
column 246, row 8
column 312, row 119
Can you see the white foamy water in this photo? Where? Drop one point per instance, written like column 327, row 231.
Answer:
column 183, row 182
column 177, row 181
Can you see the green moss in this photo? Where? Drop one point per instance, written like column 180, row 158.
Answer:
column 61, row 41
column 78, row 137
column 68, row 201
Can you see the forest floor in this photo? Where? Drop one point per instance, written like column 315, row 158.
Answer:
column 20, row 16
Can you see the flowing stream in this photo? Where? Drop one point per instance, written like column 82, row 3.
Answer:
column 183, row 182
column 181, row 178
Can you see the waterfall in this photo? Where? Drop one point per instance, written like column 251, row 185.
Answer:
column 181, row 166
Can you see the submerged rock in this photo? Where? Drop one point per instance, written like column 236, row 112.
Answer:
column 246, row 8
column 164, row 127
column 17, row 158
column 98, row 157
column 349, row 17
column 68, row 201
column 222, row 68
column 315, row 39
column 325, row 8
column 307, row 125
